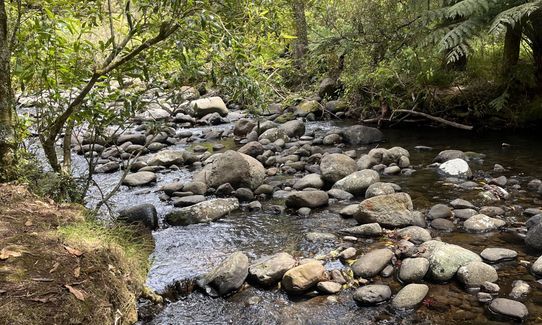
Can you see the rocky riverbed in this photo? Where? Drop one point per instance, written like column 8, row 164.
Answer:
column 285, row 219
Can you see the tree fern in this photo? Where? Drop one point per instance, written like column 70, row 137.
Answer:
column 469, row 8
column 514, row 15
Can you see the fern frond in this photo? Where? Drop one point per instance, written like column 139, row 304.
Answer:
column 468, row 8
column 457, row 52
column 514, row 15
column 461, row 33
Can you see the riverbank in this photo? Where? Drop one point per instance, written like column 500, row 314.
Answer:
column 57, row 267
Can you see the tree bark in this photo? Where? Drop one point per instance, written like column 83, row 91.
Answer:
column 7, row 134
column 302, row 42
column 512, row 42
column 536, row 46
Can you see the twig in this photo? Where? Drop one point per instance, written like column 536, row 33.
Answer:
column 436, row 119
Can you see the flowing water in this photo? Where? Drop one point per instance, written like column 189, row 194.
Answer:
column 182, row 253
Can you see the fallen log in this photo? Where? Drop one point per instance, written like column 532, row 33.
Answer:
column 436, row 119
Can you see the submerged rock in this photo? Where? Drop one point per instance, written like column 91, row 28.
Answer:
column 227, row 277
column 206, row 211
column 509, row 308
column 410, row 296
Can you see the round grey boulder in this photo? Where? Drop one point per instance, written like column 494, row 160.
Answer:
column 226, row 277
column 357, row 182
column 410, row 296
column 495, row 255
column 269, row 270
column 371, row 264
column 372, row 294
column 413, row 269
column 336, row 166
column 474, row 274
column 509, row 308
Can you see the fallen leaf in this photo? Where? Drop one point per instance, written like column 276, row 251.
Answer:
column 77, row 272
column 28, row 223
column 10, row 251
column 76, row 292
column 73, row 251
column 55, row 266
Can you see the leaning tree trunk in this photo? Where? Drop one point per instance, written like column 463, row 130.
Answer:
column 7, row 135
column 536, row 46
column 512, row 43
column 302, row 41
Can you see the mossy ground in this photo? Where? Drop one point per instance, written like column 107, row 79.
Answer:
column 48, row 248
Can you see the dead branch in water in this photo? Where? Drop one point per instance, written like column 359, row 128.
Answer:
column 436, row 119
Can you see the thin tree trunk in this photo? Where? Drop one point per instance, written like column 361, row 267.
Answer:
column 512, row 42
column 302, row 41
column 7, row 135
column 536, row 46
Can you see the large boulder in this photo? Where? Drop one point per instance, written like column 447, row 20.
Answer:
column 204, row 106
column 293, row 129
column 393, row 210
column 236, row 168
column 445, row 259
column 358, row 182
column 379, row 188
column 307, row 199
column 269, row 270
column 143, row 213
column 455, row 168
column 206, row 211
column 167, row 158
column 372, row 263
column 303, row 277
column 360, row 134
column 336, row 166
column 243, row 127
column 227, row 277
column 533, row 240
column 328, row 88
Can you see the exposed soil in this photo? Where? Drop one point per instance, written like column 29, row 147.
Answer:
column 48, row 278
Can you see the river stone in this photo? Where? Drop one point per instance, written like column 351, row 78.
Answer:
column 139, row 178
column 243, row 127
column 438, row 211
column 415, row 234
column 360, row 134
column 244, row 194
column 206, row 211
column 135, row 138
column 204, row 106
column 372, row 294
column 491, row 211
column 336, row 166
column 446, row 155
column 495, row 255
column 371, row 264
column 294, row 128
column 310, row 180
column 410, row 296
column 307, row 107
column 456, row 168
column 509, row 308
column 307, row 199
column 303, row 277
column 340, row 194
column 413, row 269
column 445, row 259
column 348, row 253
column 442, row 225
column 167, row 158
column 232, row 167
column 269, row 270
column 462, row 204
column 536, row 268
column 274, row 134
column 143, row 213
column 349, row 211
column 533, row 221
column 319, row 236
column 475, row 273
column 367, row 230
column 520, row 290
column 392, row 170
column 253, row 149
column 533, row 239
column 186, row 201
column 482, row 223
column 198, row 188
column 357, row 182
column 328, row 287
column 393, row 210
column 379, row 188
column 464, row 214
column 227, row 277
column 108, row 167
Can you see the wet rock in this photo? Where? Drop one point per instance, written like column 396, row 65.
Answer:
column 520, row 290
column 462, row 204
column 484, row 297
column 328, row 287
column 171, row 188
column 367, row 230
column 243, row 127
column 379, row 188
column 348, row 253
column 500, row 181
column 264, row 189
column 440, row 211
column 533, row 221
column 139, row 178
column 340, row 194
column 393, row 210
column 269, row 270
column 455, row 168
column 336, row 166
column 415, row 234
column 482, row 223
column 232, row 167
column 144, row 213
column 188, row 200
column 109, row 167
column 254, row 206
column 274, row 134
column 413, row 269
column 447, row 155
column 475, row 273
column 227, row 277
column 304, row 212
column 445, row 259
column 253, row 149
column 349, row 211
column 294, row 128
column 206, row 211
column 392, row 170
column 307, row 107
column 495, row 255
column 533, row 239
column 309, row 199
column 244, row 194
column 198, row 188
column 224, row 190
column 498, row 168
column 303, row 277
column 464, row 214
column 357, row 182
column 410, row 296
column 509, row 308
column 372, row 294
column 204, row 106
column 319, row 236
column 360, row 134
column 310, row 180
column 135, row 138
column 492, row 211
column 536, row 268
column 167, row 158
column 371, row 264
column 443, row 225
column 490, row 287
column 332, row 139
